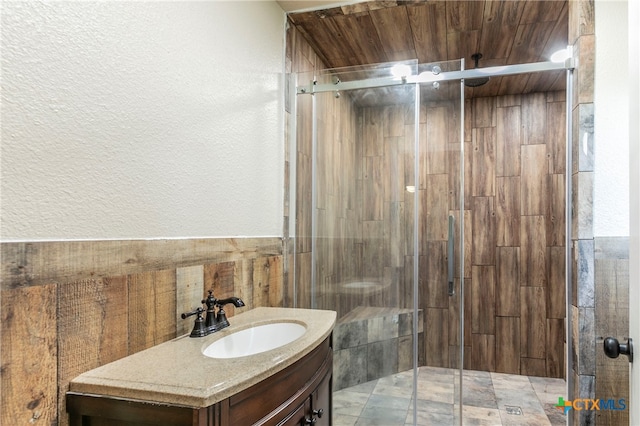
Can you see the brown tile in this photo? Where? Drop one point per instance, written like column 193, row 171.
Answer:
column 586, row 60
column 508, row 281
column 533, row 325
column 483, row 284
column 581, row 19
column 508, row 345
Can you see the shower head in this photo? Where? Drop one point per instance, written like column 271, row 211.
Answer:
column 475, row 82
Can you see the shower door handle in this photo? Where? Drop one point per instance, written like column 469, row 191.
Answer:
column 450, row 258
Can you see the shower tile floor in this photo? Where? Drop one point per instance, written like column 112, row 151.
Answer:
column 488, row 399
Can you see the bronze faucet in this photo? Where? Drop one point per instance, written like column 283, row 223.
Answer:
column 221, row 319
column 212, row 323
column 199, row 329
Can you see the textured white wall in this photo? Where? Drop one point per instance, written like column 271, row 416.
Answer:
column 141, row 120
column 611, row 180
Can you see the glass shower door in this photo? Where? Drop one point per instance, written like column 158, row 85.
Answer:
column 362, row 236
column 441, row 267
column 370, row 159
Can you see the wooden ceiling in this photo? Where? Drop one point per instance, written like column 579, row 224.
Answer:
column 505, row 32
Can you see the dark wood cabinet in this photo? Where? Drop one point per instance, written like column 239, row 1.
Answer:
column 321, row 406
column 298, row 395
column 316, row 409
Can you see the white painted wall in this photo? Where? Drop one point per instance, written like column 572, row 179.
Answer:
column 141, row 120
column 611, row 191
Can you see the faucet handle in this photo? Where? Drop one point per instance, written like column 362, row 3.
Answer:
column 197, row 311
column 199, row 329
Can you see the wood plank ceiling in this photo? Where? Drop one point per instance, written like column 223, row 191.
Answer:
column 505, row 32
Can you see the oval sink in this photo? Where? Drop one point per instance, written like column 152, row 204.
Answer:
column 255, row 340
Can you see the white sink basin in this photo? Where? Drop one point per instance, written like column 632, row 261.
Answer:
column 255, row 340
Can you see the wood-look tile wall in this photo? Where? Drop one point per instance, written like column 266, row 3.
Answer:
column 69, row 307
column 361, row 210
column 514, row 239
column 582, row 380
column 300, row 58
column 514, row 224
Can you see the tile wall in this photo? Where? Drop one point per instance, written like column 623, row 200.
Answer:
column 582, row 349
column 370, row 343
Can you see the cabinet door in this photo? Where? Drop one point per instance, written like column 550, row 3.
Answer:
column 321, row 402
column 299, row 416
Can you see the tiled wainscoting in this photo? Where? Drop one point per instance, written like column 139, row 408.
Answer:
column 70, row 306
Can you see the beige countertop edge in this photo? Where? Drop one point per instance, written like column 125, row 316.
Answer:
column 177, row 373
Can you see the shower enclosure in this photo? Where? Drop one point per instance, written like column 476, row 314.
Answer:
column 381, row 187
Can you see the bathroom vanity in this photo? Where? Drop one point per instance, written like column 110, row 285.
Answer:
column 175, row 383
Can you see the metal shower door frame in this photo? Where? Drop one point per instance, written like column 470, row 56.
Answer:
column 429, row 77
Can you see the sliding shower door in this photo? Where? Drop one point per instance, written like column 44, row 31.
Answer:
column 440, row 253
column 377, row 201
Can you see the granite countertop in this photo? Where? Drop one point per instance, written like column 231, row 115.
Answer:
column 176, row 372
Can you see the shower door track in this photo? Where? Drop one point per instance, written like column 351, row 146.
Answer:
column 429, row 77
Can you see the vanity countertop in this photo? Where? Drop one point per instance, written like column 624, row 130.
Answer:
column 176, row 372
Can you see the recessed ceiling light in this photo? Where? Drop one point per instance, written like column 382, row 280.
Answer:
column 561, row 55
column 401, row 70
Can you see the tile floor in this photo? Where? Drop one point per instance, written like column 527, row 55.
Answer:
column 488, row 399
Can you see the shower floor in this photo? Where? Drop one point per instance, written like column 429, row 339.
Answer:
column 488, row 399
